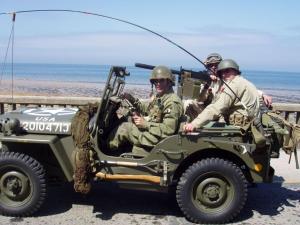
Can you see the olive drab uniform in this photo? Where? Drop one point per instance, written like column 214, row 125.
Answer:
column 162, row 117
column 228, row 105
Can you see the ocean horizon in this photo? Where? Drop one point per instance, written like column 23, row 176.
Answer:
column 98, row 73
column 276, row 83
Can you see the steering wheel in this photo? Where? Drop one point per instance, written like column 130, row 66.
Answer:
column 124, row 107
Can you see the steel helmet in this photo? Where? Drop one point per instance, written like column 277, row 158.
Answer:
column 228, row 64
column 162, row 72
column 213, row 58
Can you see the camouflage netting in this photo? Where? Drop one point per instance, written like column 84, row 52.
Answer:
column 81, row 137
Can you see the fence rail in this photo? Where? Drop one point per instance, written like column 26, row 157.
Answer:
column 291, row 111
column 8, row 104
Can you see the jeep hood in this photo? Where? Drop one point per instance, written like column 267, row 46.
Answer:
column 42, row 120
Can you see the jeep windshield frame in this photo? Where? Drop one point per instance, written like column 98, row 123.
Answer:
column 114, row 87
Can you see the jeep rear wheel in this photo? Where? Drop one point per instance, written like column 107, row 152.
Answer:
column 212, row 190
column 22, row 184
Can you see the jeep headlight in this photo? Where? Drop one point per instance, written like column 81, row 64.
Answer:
column 9, row 126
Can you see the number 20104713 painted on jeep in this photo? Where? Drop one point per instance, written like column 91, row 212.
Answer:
column 45, row 120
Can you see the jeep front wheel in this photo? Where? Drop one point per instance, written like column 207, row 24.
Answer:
column 22, row 184
column 212, row 190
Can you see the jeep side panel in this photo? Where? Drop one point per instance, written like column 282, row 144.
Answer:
column 61, row 146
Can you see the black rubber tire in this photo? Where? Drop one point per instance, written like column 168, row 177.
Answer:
column 22, row 184
column 212, row 190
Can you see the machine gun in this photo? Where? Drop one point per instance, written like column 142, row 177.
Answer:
column 189, row 81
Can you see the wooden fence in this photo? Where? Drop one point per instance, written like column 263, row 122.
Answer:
column 291, row 111
column 7, row 103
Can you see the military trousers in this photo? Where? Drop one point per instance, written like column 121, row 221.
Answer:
column 128, row 133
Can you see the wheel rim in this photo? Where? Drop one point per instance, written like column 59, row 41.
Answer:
column 212, row 193
column 15, row 187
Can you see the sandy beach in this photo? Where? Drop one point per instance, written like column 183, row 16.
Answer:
column 63, row 88
column 84, row 89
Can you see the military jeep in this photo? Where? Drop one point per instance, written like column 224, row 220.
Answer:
column 210, row 168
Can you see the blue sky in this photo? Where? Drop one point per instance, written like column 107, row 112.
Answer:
column 259, row 35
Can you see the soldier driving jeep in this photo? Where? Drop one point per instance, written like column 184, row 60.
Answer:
column 153, row 121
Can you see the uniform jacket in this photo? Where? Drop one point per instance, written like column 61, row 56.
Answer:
column 227, row 103
column 162, row 115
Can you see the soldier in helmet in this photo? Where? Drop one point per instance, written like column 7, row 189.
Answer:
column 238, row 105
column 209, row 92
column 156, row 120
column 212, row 61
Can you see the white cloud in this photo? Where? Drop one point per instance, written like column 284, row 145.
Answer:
column 250, row 47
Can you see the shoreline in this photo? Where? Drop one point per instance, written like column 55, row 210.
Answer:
column 65, row 88
column 28, row 87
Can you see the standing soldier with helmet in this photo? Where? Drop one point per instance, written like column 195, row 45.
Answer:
column 212, row 61
column 208, row 91
column 155, row 121
column 238, row 103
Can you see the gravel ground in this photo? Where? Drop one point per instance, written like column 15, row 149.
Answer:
column 276, row 203
column 107, row 204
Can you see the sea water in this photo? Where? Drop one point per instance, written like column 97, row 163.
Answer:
column 72, row 73
column 281, row 85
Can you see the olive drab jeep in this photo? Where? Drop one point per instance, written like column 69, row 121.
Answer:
column 210, row 168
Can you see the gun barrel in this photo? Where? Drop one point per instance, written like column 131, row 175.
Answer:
column 150, row 67
column 145, row 66
column 200, row 75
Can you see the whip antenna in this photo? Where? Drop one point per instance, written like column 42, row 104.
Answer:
column 12, row 56
column 112, row 18
column 127, row 22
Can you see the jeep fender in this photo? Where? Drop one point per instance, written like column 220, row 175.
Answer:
column 61, row 146
column 193, row 148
